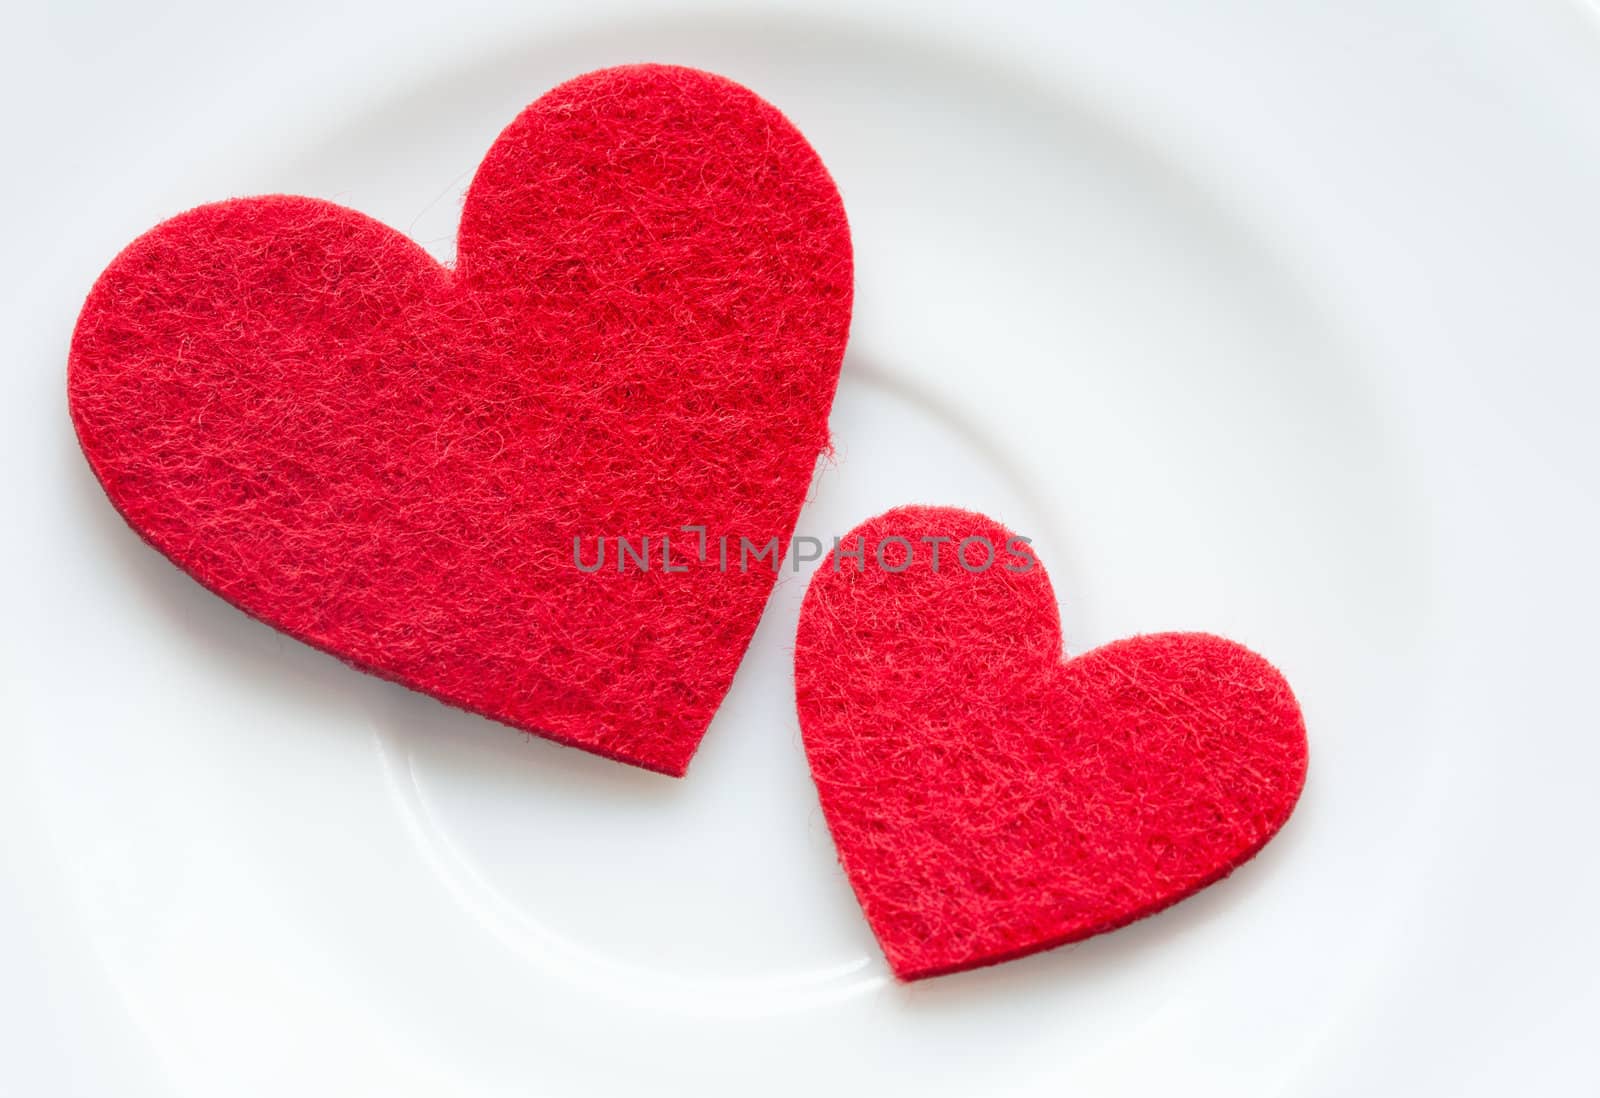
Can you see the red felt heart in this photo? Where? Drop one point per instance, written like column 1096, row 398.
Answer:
column 390, row 459
column 989, row 800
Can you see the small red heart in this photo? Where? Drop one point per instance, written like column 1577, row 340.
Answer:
column 989, row 800
column 390, row 459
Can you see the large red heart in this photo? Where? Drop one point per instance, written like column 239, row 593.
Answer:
column 390, row 459
column 988, row 799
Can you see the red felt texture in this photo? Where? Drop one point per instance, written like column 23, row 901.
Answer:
column 990, row 799
column 390, row 459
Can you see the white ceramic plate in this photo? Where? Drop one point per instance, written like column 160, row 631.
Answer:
column 1278, row 324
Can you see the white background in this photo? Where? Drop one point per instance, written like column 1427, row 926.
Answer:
column 1272, row 320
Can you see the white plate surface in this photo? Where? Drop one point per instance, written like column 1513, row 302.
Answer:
column 1274, row 324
